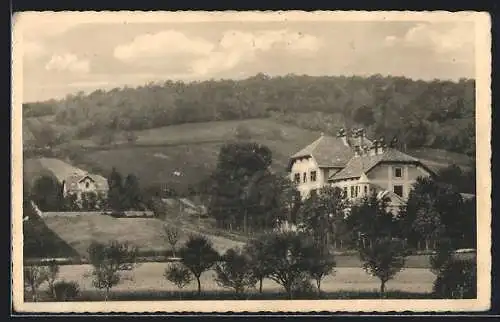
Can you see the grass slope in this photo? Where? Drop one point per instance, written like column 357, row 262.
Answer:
column 192, row 149
column 78, row 230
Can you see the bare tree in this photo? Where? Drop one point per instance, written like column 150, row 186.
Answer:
column 172, row 235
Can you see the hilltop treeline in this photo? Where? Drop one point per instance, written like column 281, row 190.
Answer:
column 436, row 114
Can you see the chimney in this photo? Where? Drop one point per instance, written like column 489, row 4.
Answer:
column 381, row 147
column 374, row 148
column 357, row 151
column 341, row 134
column 361, row 133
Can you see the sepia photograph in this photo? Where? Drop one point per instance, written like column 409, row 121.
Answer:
column 251, row 161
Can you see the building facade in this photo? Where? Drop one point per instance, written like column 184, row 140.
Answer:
column 358, row 166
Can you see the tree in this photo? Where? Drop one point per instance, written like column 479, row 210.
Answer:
column 47, row 193
column 457, row 280
column 131, row 193
column 34, row 276
column 52, row 273
column 292, row 255
column 257, row 256
column 46, row 137
column 198, row 255
column 71, row 202
column 172, row 235
column 322, row 267
column 323, row 215
column 364, row 115
column 435, row 210
column 108, row 261
column 235, row 271
column 115, row 192
column 369, row 219
column 240, row 170
column 384, row 258
column 179, row 275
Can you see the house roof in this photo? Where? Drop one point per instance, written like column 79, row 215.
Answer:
column 100, row 182
column 359, row 165
column 328, row 151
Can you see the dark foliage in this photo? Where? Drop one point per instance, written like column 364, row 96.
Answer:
column 457, row 280
column 437, row 114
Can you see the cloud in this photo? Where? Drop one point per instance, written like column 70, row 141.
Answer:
column 164, row 44
column 238, row 46
column 68, row 62
column 442, row 39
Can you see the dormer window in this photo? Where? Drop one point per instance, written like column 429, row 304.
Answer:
column 87, row 185
column 398, row 172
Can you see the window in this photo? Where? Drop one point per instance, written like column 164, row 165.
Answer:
column 366, row 190
column 398, row 172
column 297, row 178
column 345, row 191
column 304, row 177
column 398, row 190
column 87, row 184
column 313, row 176
column 314, row 193
column 352, row 191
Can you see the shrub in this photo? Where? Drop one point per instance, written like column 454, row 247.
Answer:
column 457, row 280
column 64, row 291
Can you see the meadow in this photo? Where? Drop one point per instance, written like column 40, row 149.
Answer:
column 146, row 281
column 192, row 149
column 79, row 230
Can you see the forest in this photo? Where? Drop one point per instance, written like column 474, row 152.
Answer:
column 437, row 114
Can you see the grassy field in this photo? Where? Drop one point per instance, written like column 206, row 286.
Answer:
column 192, row 149
column 148, row 234
column 147, row 278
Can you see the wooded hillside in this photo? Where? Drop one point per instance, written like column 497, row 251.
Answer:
column 438, row 114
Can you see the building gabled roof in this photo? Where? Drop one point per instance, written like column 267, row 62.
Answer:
column 358, row 165
column 328, row 151
column 73, row 180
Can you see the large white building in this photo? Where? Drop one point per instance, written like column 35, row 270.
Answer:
column 358, row 166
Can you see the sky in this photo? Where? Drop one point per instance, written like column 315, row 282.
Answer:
column 61, row 55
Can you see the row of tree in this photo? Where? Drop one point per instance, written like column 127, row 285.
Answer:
column 290, row 258
column 436, row 114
